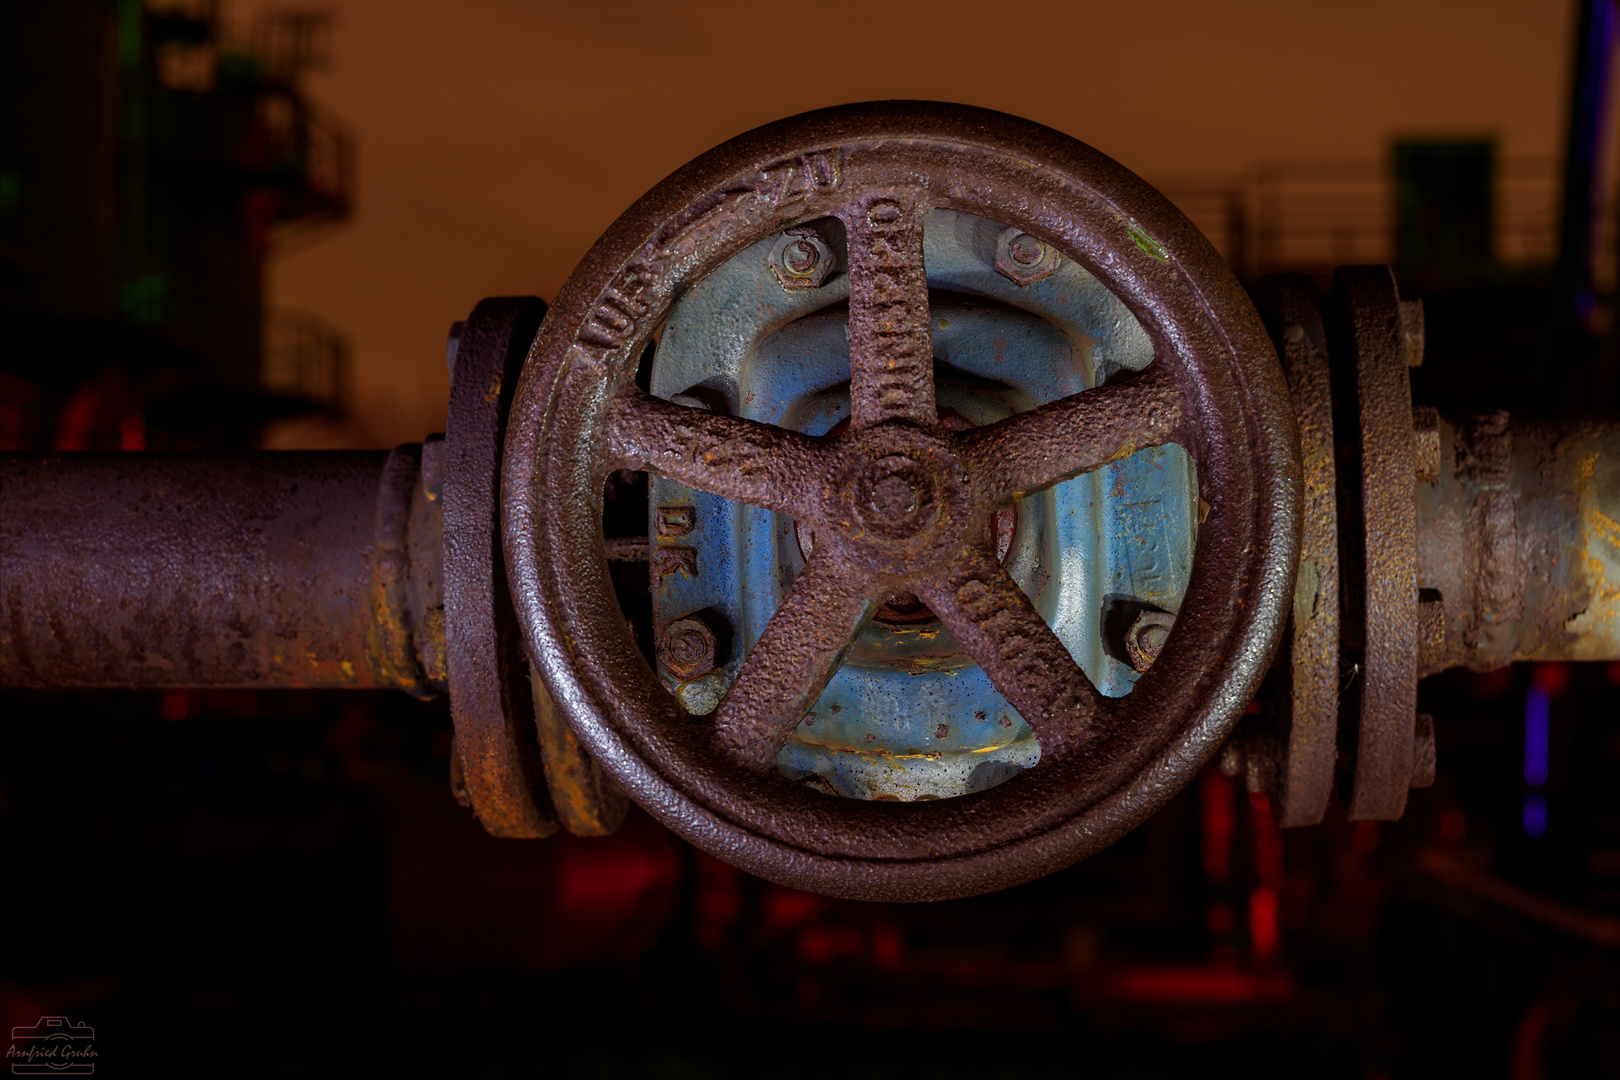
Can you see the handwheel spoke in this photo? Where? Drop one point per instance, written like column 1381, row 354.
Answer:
column 1000, row 628
column 769, row 467
column 1033, row 450
column 790, row 664
column 891, row 354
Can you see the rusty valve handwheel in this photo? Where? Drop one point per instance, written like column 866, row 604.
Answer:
column 902, row 502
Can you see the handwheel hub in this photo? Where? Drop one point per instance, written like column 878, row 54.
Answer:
column 901, row 499
column 903, row 502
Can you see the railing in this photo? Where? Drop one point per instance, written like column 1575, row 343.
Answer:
column 284, row 141
column 1311, row 215
column 305, row 357
column 315, row 150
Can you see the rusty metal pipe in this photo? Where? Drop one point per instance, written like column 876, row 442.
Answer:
column 1519, row 542
column 244, row 570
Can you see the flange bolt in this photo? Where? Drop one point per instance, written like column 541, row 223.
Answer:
column 1025, row 259
column 688, row 648
column 800, row 256
column 801, row 259
column 1025, row 249
column 1146, row 637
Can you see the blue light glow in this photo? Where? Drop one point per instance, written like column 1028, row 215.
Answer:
column 1536, row 727
column 1535, row 814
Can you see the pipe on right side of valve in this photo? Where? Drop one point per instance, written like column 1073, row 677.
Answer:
column 1519, row 542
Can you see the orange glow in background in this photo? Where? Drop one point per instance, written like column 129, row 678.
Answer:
column 497, row 140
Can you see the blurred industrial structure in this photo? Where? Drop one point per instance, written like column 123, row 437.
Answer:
column 152, row 159
column 1288, row 215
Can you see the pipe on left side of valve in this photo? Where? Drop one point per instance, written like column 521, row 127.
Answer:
column 264, row 570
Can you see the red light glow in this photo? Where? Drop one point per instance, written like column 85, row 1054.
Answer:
column 1263, row 925
column 1197, row 986
column 1219, row 822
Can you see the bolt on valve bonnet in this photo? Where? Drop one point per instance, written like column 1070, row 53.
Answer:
column 901, row 504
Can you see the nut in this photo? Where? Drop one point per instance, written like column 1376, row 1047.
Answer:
column 801, row 259
column 1024, row 259
column 687, row 648
column 1232, row 762
column 1146, row 637
column 1431, row 632
column 1256, row 754
column 1423, row 752
column 1426, row 444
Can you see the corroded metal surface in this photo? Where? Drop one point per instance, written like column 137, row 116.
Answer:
column 900, row 502
column 801, row 259
column 1519, row 537
column 1025, row 453
column 1384, row 571
column 1000, row 628
column 760, row 465
column 247, row 570
column 1146, row 637
column 1024, row 260
column 587, row 803
column 497, row 745
column 909, row 715
column 1309, row 725
column 891, row 357
column 792, row 660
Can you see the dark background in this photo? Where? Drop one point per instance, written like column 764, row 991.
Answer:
column 197, row 251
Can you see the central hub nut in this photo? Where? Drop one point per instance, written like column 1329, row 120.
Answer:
column 893, row 497
column 897, row 497
column 899, row 501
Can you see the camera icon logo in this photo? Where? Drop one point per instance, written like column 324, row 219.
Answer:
column 53, row 1047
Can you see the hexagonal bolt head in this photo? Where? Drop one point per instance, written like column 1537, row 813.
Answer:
column 1423, row 755
column 1023, row 259
column 801, row 259
column 1146, row 637
column 1431, row 632
column 1255, row 755
column 1426, row 444
column 687, row 648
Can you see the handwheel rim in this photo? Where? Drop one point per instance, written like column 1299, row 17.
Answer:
column 1202, row 327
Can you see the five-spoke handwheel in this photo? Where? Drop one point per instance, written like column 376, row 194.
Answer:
column 899, row 503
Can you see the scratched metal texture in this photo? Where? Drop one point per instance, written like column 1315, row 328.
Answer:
column 909, row 714
column 899, row 502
